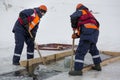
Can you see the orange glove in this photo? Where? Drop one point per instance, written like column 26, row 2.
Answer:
column 74, row 36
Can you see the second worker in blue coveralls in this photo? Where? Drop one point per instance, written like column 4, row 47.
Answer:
column 88, row 31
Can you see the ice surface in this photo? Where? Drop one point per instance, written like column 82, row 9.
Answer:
column 55, row 27
column 108, row 72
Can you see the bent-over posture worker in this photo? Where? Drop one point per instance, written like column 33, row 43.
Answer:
column 28, row 21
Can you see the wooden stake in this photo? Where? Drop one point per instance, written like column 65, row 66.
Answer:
column 73, row 43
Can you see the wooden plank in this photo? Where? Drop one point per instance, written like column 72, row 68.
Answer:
column 34, row 62
column 46, row 58
column 104, row 62
column 62, row 55
column 110, row 60
column 58, row 56
column 111, row 53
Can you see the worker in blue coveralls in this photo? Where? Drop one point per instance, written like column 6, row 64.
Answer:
column 27, row 23
column 86, row 28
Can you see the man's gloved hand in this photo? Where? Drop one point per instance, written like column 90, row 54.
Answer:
column 75, row 35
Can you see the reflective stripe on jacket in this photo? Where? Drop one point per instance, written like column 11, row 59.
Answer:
column 35, row 21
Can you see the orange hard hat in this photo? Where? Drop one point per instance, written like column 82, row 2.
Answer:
column 79, row 5
column 43, row 7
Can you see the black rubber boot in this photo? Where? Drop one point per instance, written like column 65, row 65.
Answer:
column 75, row 73
column 97, row 67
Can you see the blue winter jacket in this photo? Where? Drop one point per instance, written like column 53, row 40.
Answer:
column 20, row 28
column 85, row 33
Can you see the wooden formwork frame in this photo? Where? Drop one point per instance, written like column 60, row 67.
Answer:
column 55, row 57
column 115, row 57
column 111, row 53
column 103, row 63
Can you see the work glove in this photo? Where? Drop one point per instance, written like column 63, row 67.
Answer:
column 75, row 35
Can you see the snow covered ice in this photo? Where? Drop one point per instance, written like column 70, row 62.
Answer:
column 55, row 27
